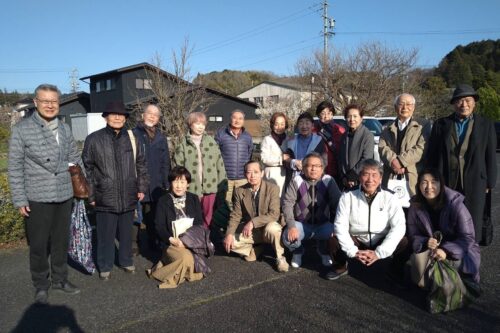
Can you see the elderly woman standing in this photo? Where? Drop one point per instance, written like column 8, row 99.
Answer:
column 436, row 207
column 356, row 146
column 200, row 155
column 271, row 154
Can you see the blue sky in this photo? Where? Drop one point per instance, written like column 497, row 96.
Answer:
column 42, row 41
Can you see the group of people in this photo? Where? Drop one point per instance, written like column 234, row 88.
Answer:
column 320, row 186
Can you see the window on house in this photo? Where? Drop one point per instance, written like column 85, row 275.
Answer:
column 259, row 101
column 215, row 119
column 105, row 85
column 143, row 84
column 274, row 99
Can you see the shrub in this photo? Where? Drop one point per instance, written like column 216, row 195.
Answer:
column 11, row 222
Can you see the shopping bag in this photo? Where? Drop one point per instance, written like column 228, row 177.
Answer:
column 180, row 225
column 401, row 188
column 80, row 242
column 447, row 290
column 419, row 264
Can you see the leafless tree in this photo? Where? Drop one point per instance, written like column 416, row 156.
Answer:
column 292, row 106
column 371, row 75
column 173, row 93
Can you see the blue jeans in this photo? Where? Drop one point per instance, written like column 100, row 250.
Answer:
column 307, row 231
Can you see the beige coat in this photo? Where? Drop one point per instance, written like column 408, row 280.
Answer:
column 412, row 149
column 269, row 206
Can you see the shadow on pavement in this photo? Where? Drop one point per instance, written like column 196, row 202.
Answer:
column 48, row 318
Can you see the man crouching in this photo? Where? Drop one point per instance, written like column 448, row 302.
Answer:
column 256, row 209
column 369, row 225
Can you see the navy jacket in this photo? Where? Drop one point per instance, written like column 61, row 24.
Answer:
column 157, row 160
column 235, row 151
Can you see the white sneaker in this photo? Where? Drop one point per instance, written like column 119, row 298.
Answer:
column 296, row 260
column 326, row 260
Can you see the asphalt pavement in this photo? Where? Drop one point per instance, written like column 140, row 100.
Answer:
column 243, row 297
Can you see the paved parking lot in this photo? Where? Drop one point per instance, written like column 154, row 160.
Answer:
column 243, row 297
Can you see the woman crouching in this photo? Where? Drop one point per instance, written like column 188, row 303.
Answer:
column 436, row 207
column 184, row 257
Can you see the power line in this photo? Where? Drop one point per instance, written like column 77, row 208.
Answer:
column 432, row 32
column 259, row 30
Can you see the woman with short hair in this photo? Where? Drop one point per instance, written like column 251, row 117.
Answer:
column 200, row 154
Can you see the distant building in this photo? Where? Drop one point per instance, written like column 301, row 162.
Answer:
column 132, row 85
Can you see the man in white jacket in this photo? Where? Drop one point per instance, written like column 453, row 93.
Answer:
column 369, row 225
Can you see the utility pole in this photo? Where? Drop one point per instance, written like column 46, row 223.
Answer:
column 73, row 80
column 328, row 24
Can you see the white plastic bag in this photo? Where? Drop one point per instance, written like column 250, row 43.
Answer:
column 401, row 188
column 180, row 226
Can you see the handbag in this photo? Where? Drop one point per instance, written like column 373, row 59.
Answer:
column 80, row 185
column 80, row 239
column 401, row 188
column 447, row 290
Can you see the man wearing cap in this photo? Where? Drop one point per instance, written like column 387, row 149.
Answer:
column 40, row 149
column 117, row 175
column 462, row 146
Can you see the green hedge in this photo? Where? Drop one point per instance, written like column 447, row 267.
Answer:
column 11, row 222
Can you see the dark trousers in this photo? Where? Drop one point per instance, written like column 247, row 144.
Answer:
column 399, row 257
column 47, row 230
column 109, row 226
column 148, row 218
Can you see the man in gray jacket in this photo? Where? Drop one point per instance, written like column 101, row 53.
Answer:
column 41, row 147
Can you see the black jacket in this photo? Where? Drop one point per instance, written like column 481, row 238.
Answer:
column 157, row 160
column 165, row 214
column 480, row 168
column 114, row 177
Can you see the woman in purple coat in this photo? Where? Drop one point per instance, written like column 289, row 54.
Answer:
column 436, row 207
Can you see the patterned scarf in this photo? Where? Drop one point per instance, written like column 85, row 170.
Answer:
column 179, row 205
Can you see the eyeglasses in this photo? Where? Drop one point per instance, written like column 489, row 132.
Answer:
column 467, row 100
column 45, row 102
column 314, row 166
column 402, row 105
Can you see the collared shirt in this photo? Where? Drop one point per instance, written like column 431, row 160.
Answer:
column 461, row 126
column 402, row 125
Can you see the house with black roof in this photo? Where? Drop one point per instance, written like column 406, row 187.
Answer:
column 133, row 85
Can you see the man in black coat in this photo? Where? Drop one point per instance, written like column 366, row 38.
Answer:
column 117, row 174
column 156, row 150
column 462, row 146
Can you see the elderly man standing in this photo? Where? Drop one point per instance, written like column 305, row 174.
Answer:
column 462, row 147
column 256, row 210
column 155, row 144
column 41, row 147
column 236, row 147
column 369, row 225
column 402, row 144
column 309, row 207
column 117, row 175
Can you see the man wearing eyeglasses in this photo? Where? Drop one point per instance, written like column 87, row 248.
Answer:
column 40, row 149
column 462, row 146
column 402, row 143
column 309, row 208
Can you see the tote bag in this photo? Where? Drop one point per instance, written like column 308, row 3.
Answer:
column 401, row 188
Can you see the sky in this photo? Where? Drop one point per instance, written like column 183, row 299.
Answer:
column 44, row 41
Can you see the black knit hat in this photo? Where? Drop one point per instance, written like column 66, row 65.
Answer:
column 464, row 90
